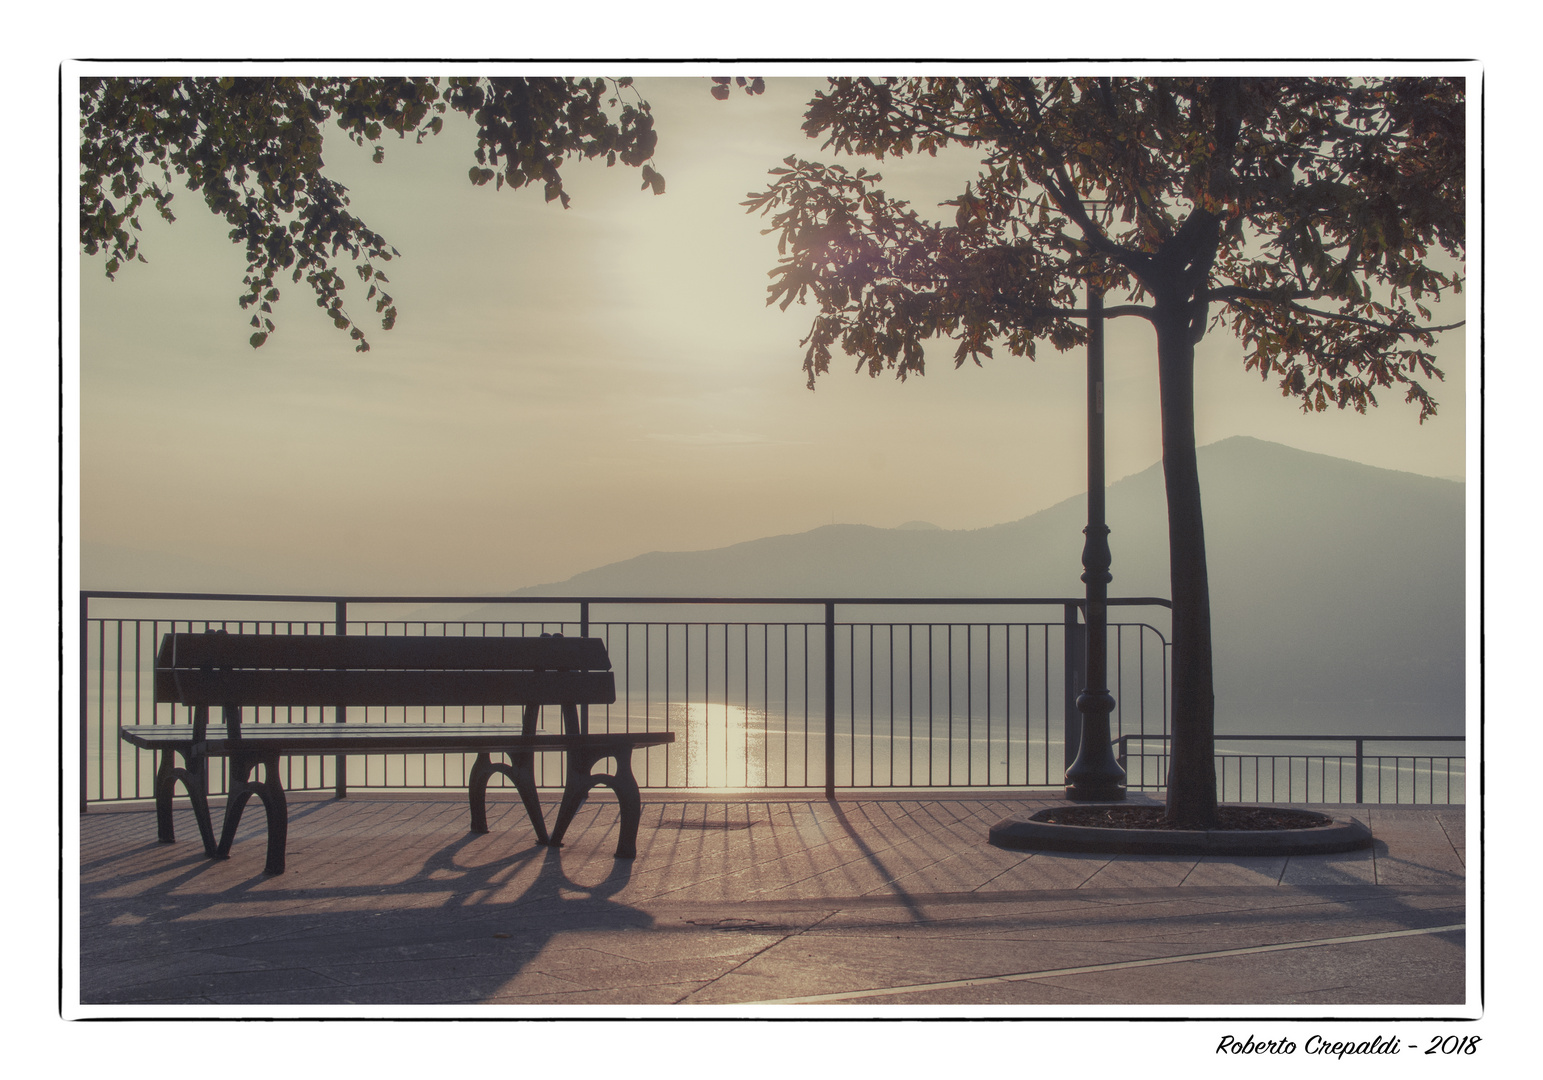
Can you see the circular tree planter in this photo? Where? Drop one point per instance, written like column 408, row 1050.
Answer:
column 1123, row 829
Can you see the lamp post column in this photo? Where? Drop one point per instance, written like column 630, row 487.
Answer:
column 1096, row 776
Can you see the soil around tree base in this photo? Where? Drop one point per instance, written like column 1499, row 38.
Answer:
column 1123, row 829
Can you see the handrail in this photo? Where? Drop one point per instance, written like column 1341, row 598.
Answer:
column 851, row 601
column 1360, row 742
column 1316, row 738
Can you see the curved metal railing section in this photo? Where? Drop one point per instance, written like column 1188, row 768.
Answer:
column 773, row 693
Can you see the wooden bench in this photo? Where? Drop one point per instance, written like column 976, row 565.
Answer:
column 234, row 671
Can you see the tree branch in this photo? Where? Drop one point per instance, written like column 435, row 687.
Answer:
column 1109, row 312
column 1234, row 293
column 1229, row 293
column 1410, row 331
column 1058, row 184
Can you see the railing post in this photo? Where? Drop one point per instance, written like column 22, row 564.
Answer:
column 584, row 632
column 85, row 720
column 1359, row 743
column 340, row 712
column 830, row 700
column 1072, row 726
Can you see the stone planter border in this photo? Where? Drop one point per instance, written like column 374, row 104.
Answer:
column 1035, row 834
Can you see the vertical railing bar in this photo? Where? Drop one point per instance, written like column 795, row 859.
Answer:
column 988, row 706
column 786, row 705
column 725, row 702
column 805, row 682
column 908, row 663
column 139, row 692
column 101, row 708
column 707, row 678
column 765, row 703
column 1007, row 701
column 685, row 727
column 852, row 703
column 969, row 703
column 584, row 632
column 84, row 642
column 830, row 700
column 726, row 696
column 340, row 712
column 648, row 702
column 1045, row 699
column 891, row 696
column 928, row 648
column 1141, row 674
column 852, row 699
column 1119, row 676
column 1359, row 751
column 872, row 721
column 949, row 773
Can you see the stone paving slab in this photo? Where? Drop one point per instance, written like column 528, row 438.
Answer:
column 895, row 899
column 1426, row 970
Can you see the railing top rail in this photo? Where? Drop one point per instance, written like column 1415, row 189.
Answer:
column 311, row 598
column 1136, row 737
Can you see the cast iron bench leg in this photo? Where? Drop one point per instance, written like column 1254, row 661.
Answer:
column 521, row 769
column 165, row 786
column 194, row 779
column 271, row 791
column 628, row 798
column 575, row 791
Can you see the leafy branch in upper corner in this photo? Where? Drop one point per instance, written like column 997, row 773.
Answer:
column 252, row 147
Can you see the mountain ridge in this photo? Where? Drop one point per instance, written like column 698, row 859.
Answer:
column 1338, row 589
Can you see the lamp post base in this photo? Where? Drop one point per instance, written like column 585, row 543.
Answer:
column 1096, row 792
column 1095, row 776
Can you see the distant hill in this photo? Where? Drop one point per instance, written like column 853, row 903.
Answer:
column 1337, row 588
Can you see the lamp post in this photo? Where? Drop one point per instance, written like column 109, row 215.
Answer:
column 1096, row 776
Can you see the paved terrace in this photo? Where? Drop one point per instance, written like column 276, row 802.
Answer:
column 875, row 900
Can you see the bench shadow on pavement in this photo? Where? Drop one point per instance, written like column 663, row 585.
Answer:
column 164, row 925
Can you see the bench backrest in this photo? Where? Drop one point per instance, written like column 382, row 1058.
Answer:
column 216, row 669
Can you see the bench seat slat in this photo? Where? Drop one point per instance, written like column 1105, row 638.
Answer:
column 248, row 687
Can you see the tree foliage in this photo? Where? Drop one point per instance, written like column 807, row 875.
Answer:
column 1301, row 214
column 252, row 147
column 1305, row 215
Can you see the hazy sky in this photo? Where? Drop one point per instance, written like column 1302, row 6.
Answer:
column 570, row 388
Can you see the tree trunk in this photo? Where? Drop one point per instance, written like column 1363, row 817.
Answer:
column 1192, row 773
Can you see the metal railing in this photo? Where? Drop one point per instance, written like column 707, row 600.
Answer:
column 762, row 693
column 1306, row 771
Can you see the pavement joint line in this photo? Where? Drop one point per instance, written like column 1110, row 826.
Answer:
column 1025, row 976
column 782, row 940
